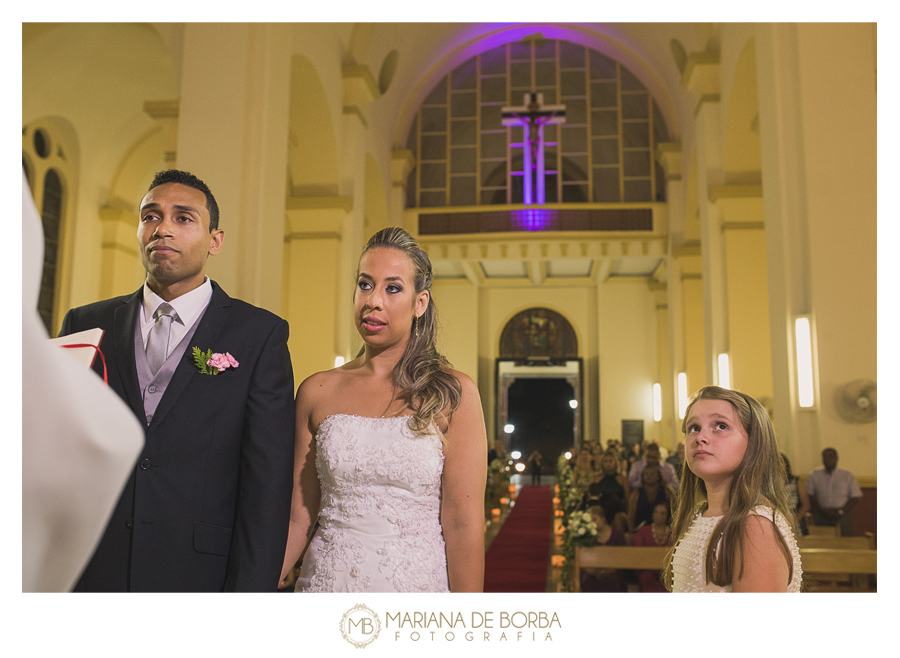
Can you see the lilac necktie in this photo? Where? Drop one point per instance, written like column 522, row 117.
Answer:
column 158, row 340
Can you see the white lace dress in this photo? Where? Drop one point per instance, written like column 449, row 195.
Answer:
column 379, row 522
column 689, row 561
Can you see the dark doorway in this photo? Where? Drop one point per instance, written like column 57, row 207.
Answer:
column 544, row 420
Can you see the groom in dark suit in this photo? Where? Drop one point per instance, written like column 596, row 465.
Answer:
column 207, row 506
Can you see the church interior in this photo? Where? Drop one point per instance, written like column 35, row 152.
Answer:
column 634, row 209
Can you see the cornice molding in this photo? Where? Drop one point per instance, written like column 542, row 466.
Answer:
column 717, row 192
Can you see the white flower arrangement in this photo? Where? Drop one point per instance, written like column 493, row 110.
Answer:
column 581, row 529
column 572, row 499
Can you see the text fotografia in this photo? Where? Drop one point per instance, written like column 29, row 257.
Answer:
column 478, row 626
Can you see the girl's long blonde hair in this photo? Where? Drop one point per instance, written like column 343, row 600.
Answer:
column 422, row 375
column 759, row 480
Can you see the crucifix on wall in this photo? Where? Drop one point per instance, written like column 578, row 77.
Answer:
column 533, row 115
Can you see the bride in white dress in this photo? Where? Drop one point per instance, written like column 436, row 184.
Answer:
column 391, row 453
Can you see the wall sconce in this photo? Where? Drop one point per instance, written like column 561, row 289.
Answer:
column 724, row 371
column 339, row 361
column 803, row 349
column 682, row 395
column 657, row 402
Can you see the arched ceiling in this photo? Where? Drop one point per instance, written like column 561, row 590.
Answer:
column 428, row 51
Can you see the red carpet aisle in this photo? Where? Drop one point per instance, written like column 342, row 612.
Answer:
column 517, row 558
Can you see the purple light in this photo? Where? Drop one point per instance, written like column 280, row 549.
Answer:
column 533, row 219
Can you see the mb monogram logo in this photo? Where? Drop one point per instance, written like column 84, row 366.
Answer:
column 360, row 626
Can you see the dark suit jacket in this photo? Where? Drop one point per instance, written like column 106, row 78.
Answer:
column 207, row 506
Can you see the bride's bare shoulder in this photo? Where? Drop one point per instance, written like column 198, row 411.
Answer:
column 467, row 384
column 322, row 389
column 323, row 382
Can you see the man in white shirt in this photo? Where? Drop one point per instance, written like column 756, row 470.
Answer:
column 833, row 493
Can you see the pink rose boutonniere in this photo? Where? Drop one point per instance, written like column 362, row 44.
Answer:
column 212, row 363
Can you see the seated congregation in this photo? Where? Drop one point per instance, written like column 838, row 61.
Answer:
column 634, row 531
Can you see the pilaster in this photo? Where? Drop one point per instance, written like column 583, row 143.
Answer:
column 120, row 269
column 313, row 233
column 165, row 113
column 360, row 89
column 402, row 163
column 232, row 133
column 740, row 208
column 701, row 77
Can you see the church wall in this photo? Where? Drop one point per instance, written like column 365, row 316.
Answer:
column 740, row 103
column 628, row 356
column 837, row 68
column 694, row 337
column 376, row 211
column 311, row 130
column 667, row 437
column 818, row 138
column 232, row 132
column 94, row 78
column 121, row 270
column 313, row 304
column 457, row 306
column 748, row 312
column 321, row 46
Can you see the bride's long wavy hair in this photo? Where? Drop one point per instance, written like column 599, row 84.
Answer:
column 422, row 375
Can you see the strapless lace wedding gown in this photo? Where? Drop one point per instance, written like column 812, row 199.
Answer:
column 379, row 522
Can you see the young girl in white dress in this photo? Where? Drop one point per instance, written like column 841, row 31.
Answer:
column 733, row 527
column 391, row 453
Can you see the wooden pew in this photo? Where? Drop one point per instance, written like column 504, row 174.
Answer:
column 836, row 582
column 824, row 530
column 839, row 560
column 816, row 561
column 826, row 569
column 827, row 541
column 617, row 557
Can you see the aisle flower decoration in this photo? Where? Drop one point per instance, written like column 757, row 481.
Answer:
column 579, row 528
column 582, row 530
column 498, row 480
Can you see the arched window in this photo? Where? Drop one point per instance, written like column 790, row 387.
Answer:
column 51, row 216
column 603, row 153
column 47, row 171
column 538, row 333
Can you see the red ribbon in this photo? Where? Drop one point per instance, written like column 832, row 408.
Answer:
column 102, row 359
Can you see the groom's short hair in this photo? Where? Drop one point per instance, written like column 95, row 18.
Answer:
column 187, row 178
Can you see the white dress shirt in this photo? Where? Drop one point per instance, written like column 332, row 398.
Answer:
column 834, row 489
column 188, row 306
